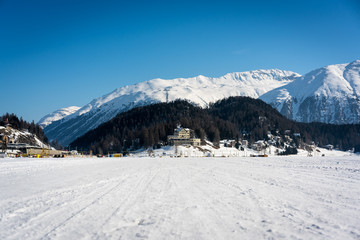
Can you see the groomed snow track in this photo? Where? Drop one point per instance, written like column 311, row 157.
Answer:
column 180, row 198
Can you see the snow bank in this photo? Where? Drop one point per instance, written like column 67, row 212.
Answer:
column 209, row 150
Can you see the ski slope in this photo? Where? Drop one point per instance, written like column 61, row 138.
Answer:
column 180, row 198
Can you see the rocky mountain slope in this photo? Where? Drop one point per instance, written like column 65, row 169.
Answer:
column 330, row 94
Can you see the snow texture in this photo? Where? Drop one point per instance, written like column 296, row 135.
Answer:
column 200, row 90
column 180, row 198
column 57, row 115
column 330, row 94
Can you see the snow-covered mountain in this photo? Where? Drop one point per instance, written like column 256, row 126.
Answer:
column 330, row 94
column 200, row 90
column 57, row 115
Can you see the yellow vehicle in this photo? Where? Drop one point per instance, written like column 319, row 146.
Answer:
column 116, row 155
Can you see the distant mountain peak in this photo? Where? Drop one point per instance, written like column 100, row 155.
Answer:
column 200, row 90
column 57, row 115
column 330, row 94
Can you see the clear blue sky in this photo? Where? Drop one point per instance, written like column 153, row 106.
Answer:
column 60, row 53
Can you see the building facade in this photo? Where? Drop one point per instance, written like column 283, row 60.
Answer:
column 183, row 136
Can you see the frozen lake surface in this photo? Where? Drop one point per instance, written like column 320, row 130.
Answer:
column 180, row 198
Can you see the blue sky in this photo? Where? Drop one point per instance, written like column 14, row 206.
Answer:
column 61, row 53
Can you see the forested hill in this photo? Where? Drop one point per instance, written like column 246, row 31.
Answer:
column 248, row 116
column 150, row 125
column 231, row 118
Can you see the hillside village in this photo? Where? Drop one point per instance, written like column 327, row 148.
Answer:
column 21, row 142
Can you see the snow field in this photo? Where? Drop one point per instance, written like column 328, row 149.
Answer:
column 180, row 198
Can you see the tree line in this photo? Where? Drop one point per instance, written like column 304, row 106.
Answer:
column 232, row 118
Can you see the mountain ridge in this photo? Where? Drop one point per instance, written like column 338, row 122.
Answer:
column 200, row 90
column 330, row 94
column 57, row 115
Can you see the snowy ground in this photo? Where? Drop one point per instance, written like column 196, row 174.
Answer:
column 180, row 198
column 207, row 150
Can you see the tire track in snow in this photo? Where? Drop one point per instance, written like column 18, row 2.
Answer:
column 279, row 203
column 74, row 214
column 42, row 209
column 203, row 198
column 92, row 205
column 233, row 199
column 125, row 204
column 267, row 208
column 143, row 214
